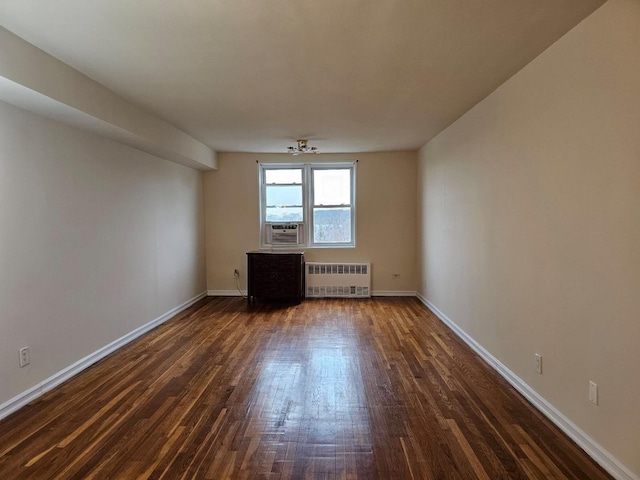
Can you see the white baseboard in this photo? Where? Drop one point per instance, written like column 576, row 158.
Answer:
column 226, row 293
column 374, row 293
column 20, row 400
column 588, row 444
column 393, row 293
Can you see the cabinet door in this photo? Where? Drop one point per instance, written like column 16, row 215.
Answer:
column 275, row 275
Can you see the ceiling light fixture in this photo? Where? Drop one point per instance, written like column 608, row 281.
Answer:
column 302, row 148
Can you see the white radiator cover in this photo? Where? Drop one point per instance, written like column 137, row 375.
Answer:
column 338, row 279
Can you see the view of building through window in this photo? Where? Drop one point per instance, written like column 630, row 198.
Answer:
column 332, row 205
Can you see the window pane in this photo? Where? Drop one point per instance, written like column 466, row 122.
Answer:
column 283, row 175
column 332, row 187
column 332, row 225
column 280, row 195
column 284, row 214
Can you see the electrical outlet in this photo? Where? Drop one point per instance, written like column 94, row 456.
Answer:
column 236, row 273
column 593, row 392
column 25, row 358
column 539, row 363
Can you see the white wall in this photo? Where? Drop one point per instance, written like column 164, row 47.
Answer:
column 529, row 225
column 96, row 239
column 385, row 211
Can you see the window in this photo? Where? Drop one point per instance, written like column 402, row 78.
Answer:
column 283, row 193
column 308, row 205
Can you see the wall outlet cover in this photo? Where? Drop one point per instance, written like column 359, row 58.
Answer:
column 593, row 392
column 25, row 357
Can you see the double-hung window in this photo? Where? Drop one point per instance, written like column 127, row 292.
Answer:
column 307, row 204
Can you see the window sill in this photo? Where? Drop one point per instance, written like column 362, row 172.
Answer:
column 305, row 247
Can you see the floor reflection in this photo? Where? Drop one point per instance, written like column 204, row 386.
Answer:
column 308, row 403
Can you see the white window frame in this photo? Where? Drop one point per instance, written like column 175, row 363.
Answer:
column 306, row 225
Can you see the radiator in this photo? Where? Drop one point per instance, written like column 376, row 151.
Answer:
column 338, row 279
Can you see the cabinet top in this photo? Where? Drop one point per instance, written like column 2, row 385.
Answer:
column 277, row 252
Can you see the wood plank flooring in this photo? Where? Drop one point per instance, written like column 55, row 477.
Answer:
column 328, row 389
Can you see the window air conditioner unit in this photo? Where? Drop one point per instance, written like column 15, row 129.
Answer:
column 283, row 234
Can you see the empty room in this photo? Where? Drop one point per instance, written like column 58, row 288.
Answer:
column 304, row 239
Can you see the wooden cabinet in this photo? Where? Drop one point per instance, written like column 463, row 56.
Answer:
column 275, row 276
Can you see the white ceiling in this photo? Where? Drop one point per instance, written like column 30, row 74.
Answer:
column 255, row 75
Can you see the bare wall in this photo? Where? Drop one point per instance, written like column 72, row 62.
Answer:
column 96, row 239
column 386, row 206
column 529, row 225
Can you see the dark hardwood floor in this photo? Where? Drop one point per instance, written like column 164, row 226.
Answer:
column 328, row 389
